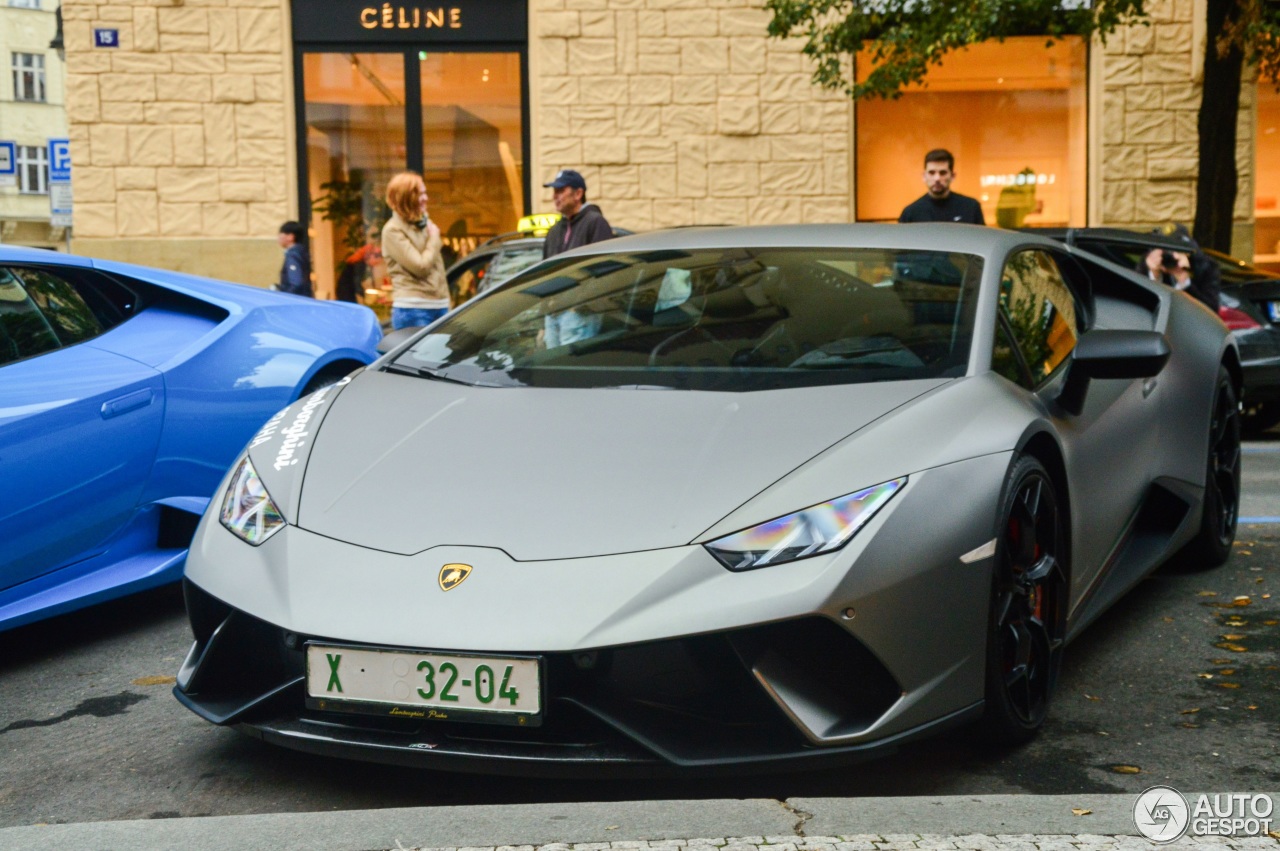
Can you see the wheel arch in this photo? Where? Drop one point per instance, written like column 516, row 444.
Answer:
column 1231, row 360
column 1043, row 446
column 328, row 373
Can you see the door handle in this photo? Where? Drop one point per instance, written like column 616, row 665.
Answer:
column 1148, row 386
column 126, row 403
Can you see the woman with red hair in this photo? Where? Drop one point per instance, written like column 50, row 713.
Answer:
column 411, row 247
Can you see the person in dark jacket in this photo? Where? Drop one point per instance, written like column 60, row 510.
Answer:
column 1190, row 270
column 940, row 204
column 581, row 223
column 295, row 271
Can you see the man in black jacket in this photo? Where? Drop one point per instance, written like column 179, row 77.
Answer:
column 581, row 223
column 940, row 204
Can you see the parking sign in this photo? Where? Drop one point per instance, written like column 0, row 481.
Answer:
column 8, row 164
column 59, row 161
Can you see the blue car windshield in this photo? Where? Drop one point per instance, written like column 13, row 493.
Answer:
column 714, row 319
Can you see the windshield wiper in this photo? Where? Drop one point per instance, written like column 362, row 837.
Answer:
column 428, row 372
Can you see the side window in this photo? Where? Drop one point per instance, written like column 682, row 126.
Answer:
column 1005, row 360
column 24, row 330
column 1041, row 310
column 469, row 280
column 65, row 311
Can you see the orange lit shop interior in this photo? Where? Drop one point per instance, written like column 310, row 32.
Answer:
column 1266, row 232
column 1014, row 115
column 472, row 150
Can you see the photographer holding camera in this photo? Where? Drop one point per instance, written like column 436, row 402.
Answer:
column 1190, row 270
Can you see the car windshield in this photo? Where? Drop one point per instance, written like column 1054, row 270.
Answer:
column 714, row 319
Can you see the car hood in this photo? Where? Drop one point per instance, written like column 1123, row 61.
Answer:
column 404, row 464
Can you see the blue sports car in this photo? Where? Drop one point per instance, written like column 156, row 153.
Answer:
column 125, row 393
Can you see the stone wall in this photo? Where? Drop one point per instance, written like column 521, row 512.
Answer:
column 183, row 130
column 1150, row 141
column 681, row 112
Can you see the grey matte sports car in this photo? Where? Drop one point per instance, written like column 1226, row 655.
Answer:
column 743, row 497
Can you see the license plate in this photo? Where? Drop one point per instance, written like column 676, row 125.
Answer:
column 1273, row 310
column 424, row 685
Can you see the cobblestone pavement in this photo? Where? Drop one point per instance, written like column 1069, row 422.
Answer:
column 900, row 842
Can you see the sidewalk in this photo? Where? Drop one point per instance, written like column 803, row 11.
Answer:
column 959, row 823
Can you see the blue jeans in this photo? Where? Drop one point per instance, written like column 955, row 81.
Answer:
column 415, row 317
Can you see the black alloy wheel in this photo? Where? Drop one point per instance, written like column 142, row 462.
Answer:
column 1028, row 605
column 1212, row 545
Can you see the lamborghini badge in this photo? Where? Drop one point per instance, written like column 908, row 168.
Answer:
column 451, row 575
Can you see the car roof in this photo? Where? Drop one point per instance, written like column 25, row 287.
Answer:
column 957, row 238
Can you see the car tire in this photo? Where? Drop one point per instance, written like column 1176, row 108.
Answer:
column 1259, row 418
column 1026, row 625
column 1211, row 546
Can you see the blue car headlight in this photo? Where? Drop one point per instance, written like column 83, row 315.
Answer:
column 247, row 509
column 812, row 531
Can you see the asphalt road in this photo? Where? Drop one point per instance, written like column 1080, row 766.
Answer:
column 1179, row 683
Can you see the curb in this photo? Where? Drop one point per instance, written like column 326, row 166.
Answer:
column 1007, row 816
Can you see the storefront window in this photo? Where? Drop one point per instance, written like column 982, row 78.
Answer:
column 1266, row 234
column 355, row 142
column 1012, row 113
column 472, row 145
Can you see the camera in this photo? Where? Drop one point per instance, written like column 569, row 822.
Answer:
column 1167, row 260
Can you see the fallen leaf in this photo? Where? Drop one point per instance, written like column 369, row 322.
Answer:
column 1226, row 672
column 1258, row 581
column 1246, row 552
column 1252, row 706
column 1081, row 811
column 1190, row 726
column 154, row 681
column 1274, row 834
column 1270, row 623
column 1233, row 637
column 1207, row 594
column 612, row 827
column 1167, row 620
column 1234, row 648
column 1189, row 711
column 1266, row 596
column 1205, row 676
column 1220, row 661
column 1126, row 769
column 1091, row 697
column 1243, row 600
column 1227, row 685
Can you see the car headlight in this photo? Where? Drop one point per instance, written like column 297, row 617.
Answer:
column 247, row 509
column 809, row 532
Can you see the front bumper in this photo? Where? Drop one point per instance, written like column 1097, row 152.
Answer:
column 700, row 704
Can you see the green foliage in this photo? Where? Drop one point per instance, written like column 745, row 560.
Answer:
column 905, row 37
column 352, row 206
column 1254, row 29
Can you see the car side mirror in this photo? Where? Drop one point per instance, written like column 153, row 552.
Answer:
column 395, row 338
column 1105, row 353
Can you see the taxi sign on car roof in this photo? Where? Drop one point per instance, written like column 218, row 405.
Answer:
column 538, row 222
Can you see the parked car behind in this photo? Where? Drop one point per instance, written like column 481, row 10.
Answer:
column 1250, row 307
column 502, row 258
column 125, row 393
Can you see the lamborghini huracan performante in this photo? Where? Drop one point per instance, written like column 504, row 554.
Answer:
column 717, row 499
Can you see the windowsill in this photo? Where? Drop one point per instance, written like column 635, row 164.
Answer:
column 24, row 100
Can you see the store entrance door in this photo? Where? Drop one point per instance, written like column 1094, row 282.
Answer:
column 457, row 117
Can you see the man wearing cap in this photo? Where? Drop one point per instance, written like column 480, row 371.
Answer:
column 581, row 223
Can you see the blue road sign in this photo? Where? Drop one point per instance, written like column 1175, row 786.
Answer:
column 59, row 161
column 8, row 159
column 106, row 38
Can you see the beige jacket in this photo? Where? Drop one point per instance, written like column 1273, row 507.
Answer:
column 413, row 261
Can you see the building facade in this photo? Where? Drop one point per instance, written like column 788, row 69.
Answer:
column 31, row 114
column 213, row 121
